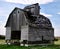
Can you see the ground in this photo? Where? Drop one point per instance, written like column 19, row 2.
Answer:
column 31, row 47
column 4, row 46
column 57, row 42
column 2, row 41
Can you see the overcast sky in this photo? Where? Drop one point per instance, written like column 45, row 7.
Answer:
column 49, row 8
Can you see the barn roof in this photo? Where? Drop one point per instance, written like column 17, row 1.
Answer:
column 40, row 20
column 11, row 14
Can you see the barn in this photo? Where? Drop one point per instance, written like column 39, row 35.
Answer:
column 28, row 26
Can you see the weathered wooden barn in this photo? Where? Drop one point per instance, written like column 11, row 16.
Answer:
column 28, row 26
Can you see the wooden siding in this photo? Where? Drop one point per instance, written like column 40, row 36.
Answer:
column 36, row 34
column 18, row 19
column 24, row 32
column 8, row 33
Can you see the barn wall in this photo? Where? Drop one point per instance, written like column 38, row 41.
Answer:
column 18, row 19
column 24, row 32
column 22, row 18
column 34, row 34
column 8, row 33
column 14, row 20
column 49, row 35
column 38, row 34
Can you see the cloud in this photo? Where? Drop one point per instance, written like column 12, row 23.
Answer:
column 2, row 29
column 58, row 13
column 30, row 1
column 3, row 12
column 3, row 15
column 47, row 15
column 57, row 31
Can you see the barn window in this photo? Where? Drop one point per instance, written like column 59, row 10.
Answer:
column 18, row 11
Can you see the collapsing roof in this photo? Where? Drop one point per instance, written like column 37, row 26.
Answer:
column 33, row 16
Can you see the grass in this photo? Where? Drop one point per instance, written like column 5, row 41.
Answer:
column 2, row 41
column 55, row 46
column 46, row 47
column 30, row 47
column 57, row 42
column 12, row 47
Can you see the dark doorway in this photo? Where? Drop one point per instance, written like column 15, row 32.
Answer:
column 16, row 35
